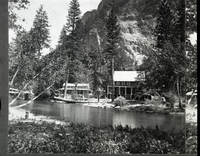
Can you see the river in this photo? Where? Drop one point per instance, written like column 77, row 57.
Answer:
column 96, row 116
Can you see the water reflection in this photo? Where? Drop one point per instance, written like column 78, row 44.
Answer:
column 96, row 116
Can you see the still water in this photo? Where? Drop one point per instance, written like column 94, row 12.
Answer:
column 95, row 116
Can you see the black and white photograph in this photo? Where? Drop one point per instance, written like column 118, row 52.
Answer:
column 101, row 77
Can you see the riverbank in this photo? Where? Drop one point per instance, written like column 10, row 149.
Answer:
column 18, row 114
column 143, row 108
column 51, row 138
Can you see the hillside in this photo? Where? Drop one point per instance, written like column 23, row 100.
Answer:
column 137, row 19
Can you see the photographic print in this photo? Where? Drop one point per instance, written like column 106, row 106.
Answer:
column 102, row 77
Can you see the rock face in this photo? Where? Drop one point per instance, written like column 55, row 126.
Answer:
column 137, row 19
column 88, row 15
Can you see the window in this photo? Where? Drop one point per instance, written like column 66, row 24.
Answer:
column 117, row 83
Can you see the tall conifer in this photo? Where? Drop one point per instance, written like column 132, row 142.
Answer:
column 163, row 30
column 113, row 32
column 71, row 29
column 40, row 34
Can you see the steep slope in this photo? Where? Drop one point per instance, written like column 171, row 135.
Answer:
column 137, row 19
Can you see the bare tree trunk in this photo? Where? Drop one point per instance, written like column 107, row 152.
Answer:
column 98, row 92
column 14, row 76
column 26, row 86
column 65, row 91
column 23, row 89
column 113, row 83
column 178, row 92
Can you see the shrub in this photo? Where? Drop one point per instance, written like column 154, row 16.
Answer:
column 154, row 101
column 120, row 101
column 48, row 138
column 170, row 97
column 191, row 138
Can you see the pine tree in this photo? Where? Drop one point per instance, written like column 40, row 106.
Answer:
column 163, row 30
column 40, row 32
column 73, row 19
column 95, row 62
column 181, row 21
column 72, row 42
column 169, row 51
column 113, row 32
column 180, row 37
column 73, row 15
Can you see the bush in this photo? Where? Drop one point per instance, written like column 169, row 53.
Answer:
column 120, row 101
column 50, row 138
column 191, row 138
column 170, row 97
column 154, row 101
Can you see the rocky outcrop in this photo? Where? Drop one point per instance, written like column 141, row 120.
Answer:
column 137, row 19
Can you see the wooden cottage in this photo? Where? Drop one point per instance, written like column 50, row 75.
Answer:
column 127, row 84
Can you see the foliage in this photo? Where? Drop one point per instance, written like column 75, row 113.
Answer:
column 21, row 60
column 191, row 138
column 164, row 28
column 120, row 101
column 191, row 16
column 25, row 66
column 12, row 16
column 170, row 97
column 95, row 63
column 191, row 27
column 113, row 32
column 72, row 32
column 72, row 42
column 51, row 138
column 40, row 32
column 73, row 15
column 166, row 65
column 155, row 101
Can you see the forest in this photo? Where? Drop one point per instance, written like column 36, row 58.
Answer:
column 152, row 40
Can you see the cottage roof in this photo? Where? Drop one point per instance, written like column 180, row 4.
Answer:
column 129, row 76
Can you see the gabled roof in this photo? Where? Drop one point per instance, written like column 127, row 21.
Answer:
column 129, row 76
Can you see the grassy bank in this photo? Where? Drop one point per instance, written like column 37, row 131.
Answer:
column 46, row 137
column 191, row 138
column 155, row 109
column 191, row 130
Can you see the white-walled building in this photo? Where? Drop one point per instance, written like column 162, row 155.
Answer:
column 127, row 83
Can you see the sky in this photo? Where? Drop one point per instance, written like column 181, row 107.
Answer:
column 57, row 11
